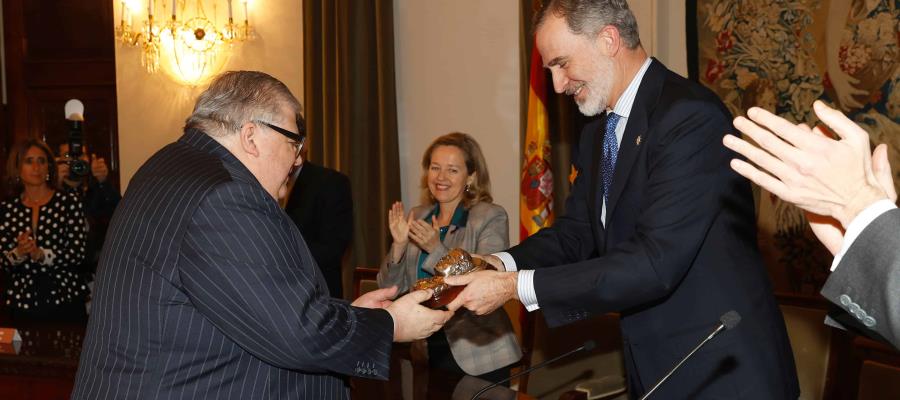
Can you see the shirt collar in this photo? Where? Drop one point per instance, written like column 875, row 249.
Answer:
column 623, row 106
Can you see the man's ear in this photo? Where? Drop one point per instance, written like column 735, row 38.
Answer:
column 248, row 139
column 609, row 40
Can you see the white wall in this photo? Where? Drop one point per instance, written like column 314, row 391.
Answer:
column 457, row 68
column 663, row 32
column 152, row 108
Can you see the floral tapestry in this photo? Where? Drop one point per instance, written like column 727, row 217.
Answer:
column 782, row 55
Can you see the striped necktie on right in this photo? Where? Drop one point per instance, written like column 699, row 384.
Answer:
column 610, row 152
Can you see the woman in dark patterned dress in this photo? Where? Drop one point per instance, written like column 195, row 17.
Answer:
column 42, row 237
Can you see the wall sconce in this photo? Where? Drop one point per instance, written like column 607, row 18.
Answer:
column 189, row 46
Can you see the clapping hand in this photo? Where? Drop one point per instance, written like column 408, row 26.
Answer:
column 827, row 229
column 803, row 166
column 425, row 235
column 832, row 180
column 399, row 223
column 27, row 246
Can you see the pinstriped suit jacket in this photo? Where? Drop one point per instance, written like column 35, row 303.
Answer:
column 205, row 289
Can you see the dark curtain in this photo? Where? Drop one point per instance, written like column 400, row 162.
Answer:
column 351, row 112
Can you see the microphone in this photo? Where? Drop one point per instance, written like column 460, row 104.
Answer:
column 727, row 321
column 587, row 346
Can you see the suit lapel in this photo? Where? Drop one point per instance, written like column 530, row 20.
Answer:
column 645, row 100
column 596, row 189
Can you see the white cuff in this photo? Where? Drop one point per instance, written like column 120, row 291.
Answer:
column 508, row 262
column 49, row 256
column 859, row 224
column 525, row 287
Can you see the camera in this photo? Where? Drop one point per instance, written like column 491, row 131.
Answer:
column 78, row 168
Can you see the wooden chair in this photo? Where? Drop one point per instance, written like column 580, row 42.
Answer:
column 526, row 327
column 364, row 279
column 878, row 381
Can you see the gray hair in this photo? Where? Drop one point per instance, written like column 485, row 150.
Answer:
column 236, row 97
column 588, row 17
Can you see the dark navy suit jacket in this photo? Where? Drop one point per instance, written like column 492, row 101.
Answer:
column 678, row 251
column 206, row 289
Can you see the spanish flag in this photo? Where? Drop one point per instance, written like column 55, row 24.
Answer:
column 536, row 192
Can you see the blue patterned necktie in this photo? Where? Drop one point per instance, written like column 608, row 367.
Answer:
column 610, row 152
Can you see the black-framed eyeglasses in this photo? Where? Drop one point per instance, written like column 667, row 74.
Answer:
column 297, row 139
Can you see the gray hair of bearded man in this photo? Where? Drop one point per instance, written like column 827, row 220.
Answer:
column 588, row 17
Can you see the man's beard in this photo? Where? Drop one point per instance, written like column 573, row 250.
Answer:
column 597, row 99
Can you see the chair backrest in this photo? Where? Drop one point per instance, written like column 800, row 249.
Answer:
column 364, row 280
column 811, row 342
column 878, row 381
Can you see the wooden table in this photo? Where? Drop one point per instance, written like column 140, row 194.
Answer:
column 46, row 364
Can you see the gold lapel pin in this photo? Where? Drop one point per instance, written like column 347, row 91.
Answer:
column 637, row 142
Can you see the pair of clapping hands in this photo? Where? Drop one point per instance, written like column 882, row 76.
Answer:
column 832, row 180
column 27, row 246
column 405, row 227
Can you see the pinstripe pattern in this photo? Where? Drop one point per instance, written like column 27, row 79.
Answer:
column 206, row 289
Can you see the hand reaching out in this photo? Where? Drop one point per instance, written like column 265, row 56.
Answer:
column 413, row 321
column 485, row 290
column 380, row 298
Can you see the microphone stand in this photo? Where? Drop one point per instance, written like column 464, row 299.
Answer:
column 728, row 321
column 589, row 345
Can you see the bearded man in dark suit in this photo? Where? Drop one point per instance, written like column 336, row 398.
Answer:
column 206, row 289
column 657, row 227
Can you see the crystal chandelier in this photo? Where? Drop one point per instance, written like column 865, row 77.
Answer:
column 189, row 45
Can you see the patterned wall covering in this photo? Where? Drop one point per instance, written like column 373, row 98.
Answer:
column 784, row 54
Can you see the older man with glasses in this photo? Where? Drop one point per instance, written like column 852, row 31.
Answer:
column 207, row 290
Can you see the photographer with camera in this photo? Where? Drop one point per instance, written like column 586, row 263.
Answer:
column 84, row 174
column 42, row 238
